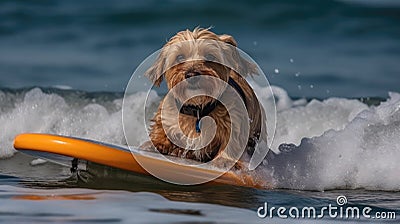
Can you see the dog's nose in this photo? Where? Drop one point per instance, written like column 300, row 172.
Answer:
column 191, row 74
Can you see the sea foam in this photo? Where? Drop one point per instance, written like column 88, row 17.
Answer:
column 341, row 144
column 38, row 112
column 338, row 142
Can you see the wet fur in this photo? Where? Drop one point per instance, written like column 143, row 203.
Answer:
column 175, row 74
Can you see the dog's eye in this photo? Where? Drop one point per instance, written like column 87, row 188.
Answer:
column 210, row 57
column 180, row 58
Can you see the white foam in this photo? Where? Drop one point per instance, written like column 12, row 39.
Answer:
column 63, row 87
column 38, row 112
column 341, row 143
column 37, row 162
column 314, row 119
column 359, row 147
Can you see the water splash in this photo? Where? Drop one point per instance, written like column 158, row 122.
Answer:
column 339, row 143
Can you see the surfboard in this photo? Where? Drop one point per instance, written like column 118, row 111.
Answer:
column 67, row 150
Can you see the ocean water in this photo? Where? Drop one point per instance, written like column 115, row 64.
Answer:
column 333, row 66
column 320, row 48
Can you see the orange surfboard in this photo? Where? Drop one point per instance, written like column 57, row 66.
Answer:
column 46, row 146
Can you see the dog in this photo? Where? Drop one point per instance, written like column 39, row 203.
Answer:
column 185, row 57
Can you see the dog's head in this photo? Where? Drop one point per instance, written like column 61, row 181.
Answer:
column 190, row 57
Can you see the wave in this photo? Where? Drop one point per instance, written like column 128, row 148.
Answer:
column 337, row 142
column 71, row 113
column 354, row 146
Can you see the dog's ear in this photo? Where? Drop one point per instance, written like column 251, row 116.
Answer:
column 243, row 66
column 156, row 72
column 228, row 39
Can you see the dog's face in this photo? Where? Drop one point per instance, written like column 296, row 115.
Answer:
column 191, row 64
column 190, row 58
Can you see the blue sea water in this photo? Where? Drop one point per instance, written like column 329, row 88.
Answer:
column 81, row 54
column 321, row 48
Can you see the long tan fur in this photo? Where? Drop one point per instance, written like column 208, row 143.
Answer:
column 164, row 68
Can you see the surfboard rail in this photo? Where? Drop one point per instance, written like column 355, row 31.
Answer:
column 108, row 155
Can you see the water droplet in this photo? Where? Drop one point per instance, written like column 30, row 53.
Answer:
column 299, row 87
column 276, row 71
column 291, row 60
column 311, row 86
column 297, row 74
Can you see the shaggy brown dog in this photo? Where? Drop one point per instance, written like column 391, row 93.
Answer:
column 186, row 56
